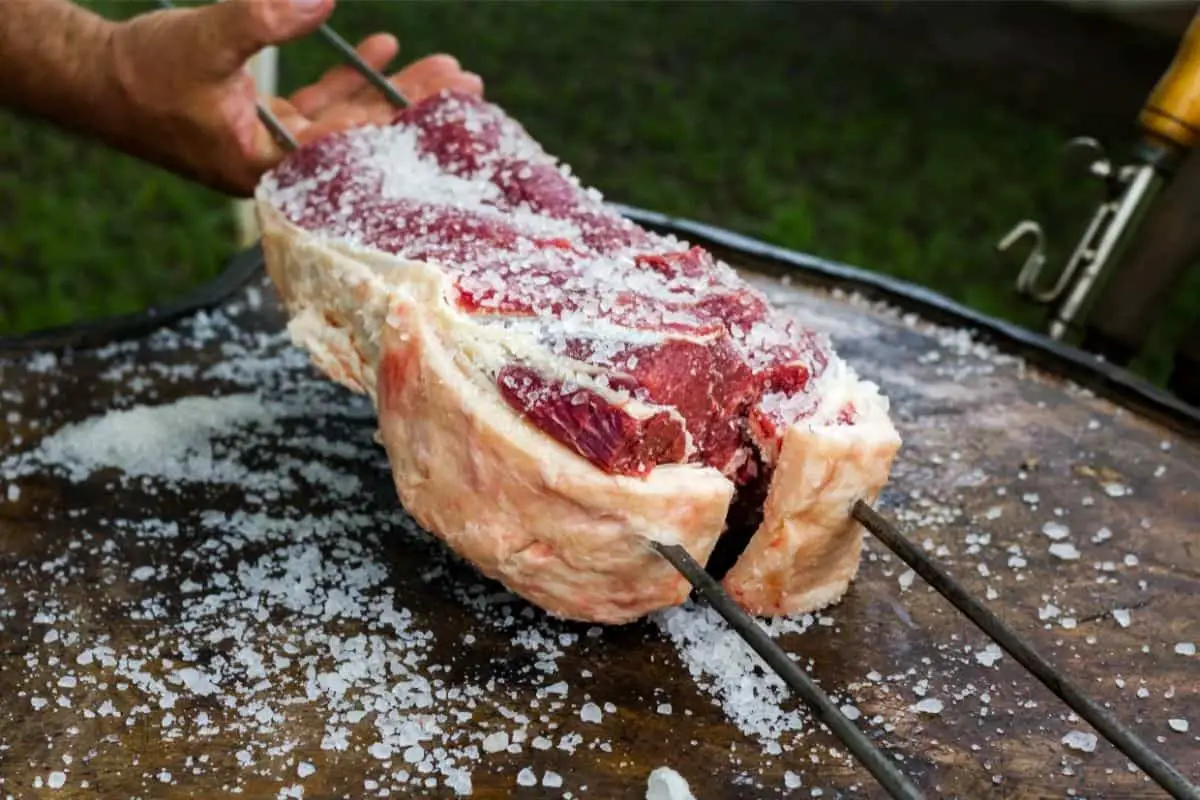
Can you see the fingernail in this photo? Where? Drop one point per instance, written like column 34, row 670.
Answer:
column 308, row 6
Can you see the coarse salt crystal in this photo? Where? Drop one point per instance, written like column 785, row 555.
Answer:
column 590, row 713
column 56, row 779
column 495, row 742
column 989, row 655
column 1080, row 740
column 1185, row 649
column 665, row 783
column 552, row 780
column 304, row 769
column 1122, row 616
column 142, row 574
column 1056, row 530
column 1178, row 725
column 1064, row 550
column 930, row 705
column 527, row 777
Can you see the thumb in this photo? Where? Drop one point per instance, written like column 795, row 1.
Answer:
column 227, row 33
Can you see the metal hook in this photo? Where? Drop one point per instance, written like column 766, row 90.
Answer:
column 1027, row 229
column 1097, row 165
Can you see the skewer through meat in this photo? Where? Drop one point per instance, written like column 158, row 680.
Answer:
column 555, row 384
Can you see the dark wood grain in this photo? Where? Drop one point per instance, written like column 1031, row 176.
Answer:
column 982, row 436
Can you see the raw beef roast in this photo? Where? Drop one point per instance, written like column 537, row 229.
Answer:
column 556, row 385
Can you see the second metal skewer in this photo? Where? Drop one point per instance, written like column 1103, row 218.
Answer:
column 1103, row 721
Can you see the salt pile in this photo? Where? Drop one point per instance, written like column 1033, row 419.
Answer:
column 172, row 441
column 755, row 699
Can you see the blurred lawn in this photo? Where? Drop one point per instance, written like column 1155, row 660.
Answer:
column 739, row 114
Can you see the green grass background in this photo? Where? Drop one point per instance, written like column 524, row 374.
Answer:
column 738, row 114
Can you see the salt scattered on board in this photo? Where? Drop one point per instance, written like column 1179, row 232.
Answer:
column 172, row 441
column 324, row 574
column 722, row 663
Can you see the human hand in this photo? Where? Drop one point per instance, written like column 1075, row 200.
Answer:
column 191, row 104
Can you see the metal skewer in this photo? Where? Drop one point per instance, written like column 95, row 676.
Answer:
column 374, row 76
column 1068, row 691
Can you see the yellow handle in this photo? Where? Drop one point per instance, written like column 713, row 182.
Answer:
column 1172, row 112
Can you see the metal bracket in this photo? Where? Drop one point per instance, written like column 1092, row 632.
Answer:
column 1125, row 188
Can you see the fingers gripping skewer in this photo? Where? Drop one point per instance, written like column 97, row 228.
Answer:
column 279, row 133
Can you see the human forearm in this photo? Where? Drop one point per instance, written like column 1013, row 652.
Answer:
column 170, row 87
column 59, row 65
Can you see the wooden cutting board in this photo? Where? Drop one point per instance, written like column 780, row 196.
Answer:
column 242, row 606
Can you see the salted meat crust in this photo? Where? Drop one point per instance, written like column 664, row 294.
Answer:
column 393, row 249
column 524, row 510
column 807, row 549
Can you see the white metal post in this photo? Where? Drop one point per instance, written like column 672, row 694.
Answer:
column 264, row 68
